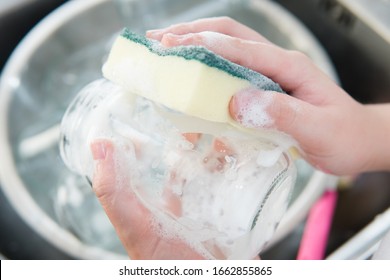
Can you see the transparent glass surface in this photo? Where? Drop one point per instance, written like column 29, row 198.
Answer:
column 221, row 189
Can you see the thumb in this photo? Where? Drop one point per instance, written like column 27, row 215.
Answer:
column 113, row 189
column 134, row 223
column 129, row 217
column 254, row 108
column 104, row 175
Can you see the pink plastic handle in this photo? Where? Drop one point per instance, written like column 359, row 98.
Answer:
column 318, row 224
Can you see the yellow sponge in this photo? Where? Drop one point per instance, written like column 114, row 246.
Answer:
column 188, row 79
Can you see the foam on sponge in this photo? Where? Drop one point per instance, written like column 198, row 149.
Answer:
column 188, row 79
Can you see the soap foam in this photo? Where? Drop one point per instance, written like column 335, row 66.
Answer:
column 252, row 109
column 212, row 40
column 219, row 192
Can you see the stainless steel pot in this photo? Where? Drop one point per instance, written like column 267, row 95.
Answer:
column 65, row 52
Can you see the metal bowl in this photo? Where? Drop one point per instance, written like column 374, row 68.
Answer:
column 61, row 55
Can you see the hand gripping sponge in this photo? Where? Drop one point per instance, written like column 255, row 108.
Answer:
column 188, row 79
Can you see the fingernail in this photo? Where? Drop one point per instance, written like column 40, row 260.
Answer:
column 155, row 34
column 99, row 150
column 249, row 108
column 169, row 39
column 233, row 108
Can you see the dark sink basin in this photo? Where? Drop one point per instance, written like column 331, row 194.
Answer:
column 361, row 57
column 364, row 73
column 17, row 18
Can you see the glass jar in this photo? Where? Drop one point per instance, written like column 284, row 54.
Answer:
column 230, row 186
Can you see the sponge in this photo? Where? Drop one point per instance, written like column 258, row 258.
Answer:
column 188, row 79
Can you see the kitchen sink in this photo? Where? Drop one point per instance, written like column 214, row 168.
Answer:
column 364, row 72
column 17, row 17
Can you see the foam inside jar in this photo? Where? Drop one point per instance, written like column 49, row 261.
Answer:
column 206, row 183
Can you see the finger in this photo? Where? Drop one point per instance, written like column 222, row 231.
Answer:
column 117, row 200
column 265, row 109
column 224, row 25
column 291, row 69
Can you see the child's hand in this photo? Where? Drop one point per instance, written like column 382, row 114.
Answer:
column 335, row 133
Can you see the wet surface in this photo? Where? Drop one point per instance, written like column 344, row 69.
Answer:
column 362, row 74
column 17, row 240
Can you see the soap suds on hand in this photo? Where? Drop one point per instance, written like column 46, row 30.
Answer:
column 209, row 179
column 252, row 108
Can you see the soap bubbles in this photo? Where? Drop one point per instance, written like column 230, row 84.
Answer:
column 219, row 188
